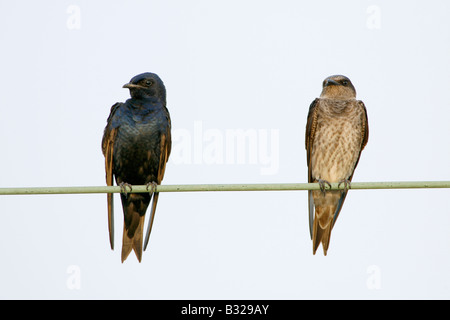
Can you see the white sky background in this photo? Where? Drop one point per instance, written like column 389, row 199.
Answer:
column 227, row 65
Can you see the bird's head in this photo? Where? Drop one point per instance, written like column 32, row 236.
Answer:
column 338, row 87
column 147, row 85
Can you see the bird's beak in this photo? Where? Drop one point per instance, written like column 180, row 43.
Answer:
column 331, row 82
column 131, row 86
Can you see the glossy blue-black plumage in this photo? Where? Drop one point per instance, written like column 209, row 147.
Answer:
column 137, row 147
column 137, row 142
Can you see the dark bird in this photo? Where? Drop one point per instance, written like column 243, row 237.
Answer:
column 136, row 144
column 337, row 131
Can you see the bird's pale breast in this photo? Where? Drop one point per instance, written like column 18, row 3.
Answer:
column 337, row 141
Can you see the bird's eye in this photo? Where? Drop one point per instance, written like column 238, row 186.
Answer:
column 344, row 82
column 148, row 82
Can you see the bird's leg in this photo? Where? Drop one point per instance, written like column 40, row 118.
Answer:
column 123, row 188
column 152, row 186
column 322, row 185
column 347, row 184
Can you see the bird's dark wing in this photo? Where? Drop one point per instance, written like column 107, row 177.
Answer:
column 311, row 125
column 109, row 137
column 165, row 147
column 365, row 128
column 168, row 137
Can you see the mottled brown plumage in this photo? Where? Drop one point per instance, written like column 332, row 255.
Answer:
column 336, row 133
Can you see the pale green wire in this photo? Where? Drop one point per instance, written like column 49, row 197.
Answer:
column 227, row 187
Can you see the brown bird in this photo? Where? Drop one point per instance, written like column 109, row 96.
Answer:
column 337, row 131
column 136, row 144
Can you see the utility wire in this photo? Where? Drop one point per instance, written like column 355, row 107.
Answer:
column 226, row 187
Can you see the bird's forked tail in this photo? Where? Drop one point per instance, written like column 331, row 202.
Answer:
column 133, row 237
column 322, row 228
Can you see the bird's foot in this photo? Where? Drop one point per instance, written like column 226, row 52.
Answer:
column 152, row 185
column 322, row 185
column 123, row 188
column 347, row 184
